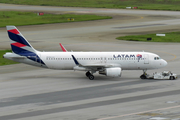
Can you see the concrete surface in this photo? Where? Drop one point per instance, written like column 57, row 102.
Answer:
column 28, row 92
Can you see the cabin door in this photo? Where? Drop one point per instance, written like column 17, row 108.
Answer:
column 146, row 59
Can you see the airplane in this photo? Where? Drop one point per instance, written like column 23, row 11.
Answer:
column 106, row 63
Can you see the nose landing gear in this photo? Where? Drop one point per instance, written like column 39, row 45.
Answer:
column 144, row 75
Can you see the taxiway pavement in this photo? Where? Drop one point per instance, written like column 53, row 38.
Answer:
column 28, row 92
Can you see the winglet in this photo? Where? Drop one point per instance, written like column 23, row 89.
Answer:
column 76, row 62
column 63, row 48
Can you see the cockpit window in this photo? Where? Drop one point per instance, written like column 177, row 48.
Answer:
column 157, row 58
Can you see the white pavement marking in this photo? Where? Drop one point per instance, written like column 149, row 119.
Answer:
column 138, row 113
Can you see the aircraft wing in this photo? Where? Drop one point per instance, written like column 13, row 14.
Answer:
column 101, row 65
column 95, row 66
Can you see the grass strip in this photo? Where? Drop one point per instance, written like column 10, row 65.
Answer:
column 29, row 18
column 141, row 4
column 170, row 37
column 4, row 61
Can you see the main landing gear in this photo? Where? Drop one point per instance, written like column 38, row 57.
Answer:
column 89, row 75
column 144, row 75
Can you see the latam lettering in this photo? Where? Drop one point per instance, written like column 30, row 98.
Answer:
column 124, row 56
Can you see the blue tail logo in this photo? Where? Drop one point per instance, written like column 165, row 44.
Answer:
column 21, row 46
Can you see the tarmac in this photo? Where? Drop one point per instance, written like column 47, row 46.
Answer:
column 28, row 92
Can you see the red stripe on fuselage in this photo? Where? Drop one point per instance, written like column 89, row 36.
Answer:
column 15, row 31
column 18, row 44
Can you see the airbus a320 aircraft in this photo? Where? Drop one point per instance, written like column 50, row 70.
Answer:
column 106, row 63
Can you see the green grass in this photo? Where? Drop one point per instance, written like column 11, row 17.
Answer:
column 141, row 4
column 170, row 37
column 29, row 18
column 4, row 61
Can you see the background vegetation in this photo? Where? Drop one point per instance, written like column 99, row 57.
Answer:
column 170, row 37
column 29, row 18
column 4, row 61
column 141, row 4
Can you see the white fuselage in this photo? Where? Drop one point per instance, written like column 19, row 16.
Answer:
column 124, row 60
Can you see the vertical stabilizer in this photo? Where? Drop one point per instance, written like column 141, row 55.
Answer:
column 18, row 42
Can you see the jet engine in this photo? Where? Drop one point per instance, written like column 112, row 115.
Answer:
column 111, row 72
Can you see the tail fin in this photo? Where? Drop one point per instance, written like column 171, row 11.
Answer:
column 19, row 44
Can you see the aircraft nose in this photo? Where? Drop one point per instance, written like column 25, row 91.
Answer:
column 165, row 63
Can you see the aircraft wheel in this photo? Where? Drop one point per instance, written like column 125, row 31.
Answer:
column 143, row 77
column 171, row 78
column 91, row 77
column 88, row 73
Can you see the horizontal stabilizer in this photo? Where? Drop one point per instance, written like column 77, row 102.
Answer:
column 13, row 55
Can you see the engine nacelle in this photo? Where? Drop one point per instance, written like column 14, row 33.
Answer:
column 111, row 72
